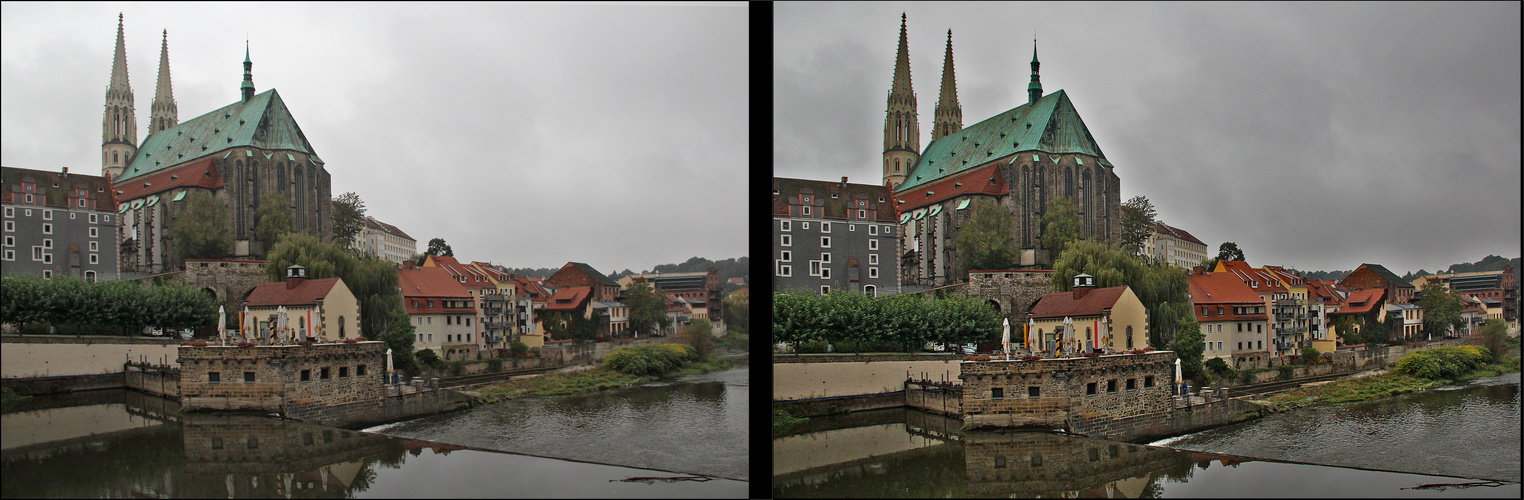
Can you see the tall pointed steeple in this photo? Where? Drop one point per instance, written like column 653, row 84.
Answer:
column 949, row 114
column 1034, row 89
column 164, row 114
column 902, row 134
column 119, row 126
column 248, row 74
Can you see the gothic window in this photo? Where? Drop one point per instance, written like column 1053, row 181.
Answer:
column 1026, row 207
column 114, row 158
column 1069, row 183
column 896, row 166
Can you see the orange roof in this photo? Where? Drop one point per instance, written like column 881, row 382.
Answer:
column 429, row 282
column 1222, row 289
column 304, row 293
column 1362, row 301
column 569, row 297
column 1260, row 280
column 1324, row 289
column 467, row 275
column 1061, row 304
column 200, row 173
column 980, row 180
column 529, row 287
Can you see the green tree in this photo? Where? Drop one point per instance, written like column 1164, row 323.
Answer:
column 1346, row 326
column 437, row 246
column 372, row 281
column 348, row 218
column 1441, row 309
column 1163, row 289
column 272, row 219
column 985, row 240
column 1061, row 226
column 699, row 334
column 1209, row 264
column 648, row 308
column 399, row 337
column 1189, row 345
column 1310, row 355
column 1229, row 251
column 1138, row 216
column 584, row 329
column 737, row 312
column 1494, row 336
column 202, row 229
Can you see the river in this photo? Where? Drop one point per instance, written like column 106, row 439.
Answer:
column 119, row 443
column 1394, row 447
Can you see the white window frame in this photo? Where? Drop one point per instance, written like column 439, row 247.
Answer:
column 10, row 255
column 28, row 211
column 851, row 227
column 870, row 290
column 862, row 214
column 47, row 214
column 81, row 205
column 825, row 227
column 825, row 273
column 872, row 259
column 46, row 273
column 47, row 243
column 47, row 258
column 873, row 244
column 872, row 272
column 825, row 242
column 10, row 212
column 785, row 270
column 10, row 226
column 814, row 268
column 95, row 258
column 785, row 256
column 825, row 289
column 887, row 230
column 825, row 258
column 106, row 218
column 10, row 241
column 47, row 228
column 872, row 229
column 786, row 240
column 36, row 253
column 95, row 232
column 93, row 218
column 805, row 210
column 785, row 225
column 805, row 225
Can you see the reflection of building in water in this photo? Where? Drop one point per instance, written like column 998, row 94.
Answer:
column 236, row 444
column 1029, row 463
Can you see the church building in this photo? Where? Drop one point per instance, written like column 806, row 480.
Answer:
column 1023, row 159
column 235, row 153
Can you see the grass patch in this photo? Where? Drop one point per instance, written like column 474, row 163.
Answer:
column 734, row 340
column 782, row 420
column 1360, row 389
column 9, row 397
column 591, row 380
column 1509, row 365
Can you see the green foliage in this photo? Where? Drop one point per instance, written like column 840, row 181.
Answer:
column 111, row 308
column 9, row 397
column 783, row 420
column 908, row 321
column 1229, row 251
column 583, row 329
column 1219, row 368
column 1061, row 226
column 272, row 219
column 202, row 229
column 1345, row 326
column 428, row 358
column 1209, row 264
column 737, row 312
column 1189, row 346
column 648, row 307
column 654, row 360
column 1310, row 356
column 985, row 241
column 1444, row 362
column 457, row 369
column 519, row 349
column 1138, row 216
column 1441, row 308
column 373, row 281
column 399, row 337
column 1284, row 372
column 699, row 334
column 348, row 218
column 437, row 246
column 1163, row 289
column 494, row 365
column 1494, row 336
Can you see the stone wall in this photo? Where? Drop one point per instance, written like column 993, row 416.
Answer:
column 1045, row 393
column 282, row 375
column 359, row 414
column 815, row 407
column 1173, row 422
column 1029, row 464
column 230, row 280
column 1014, row 292
column 159, row 380
column 806, row 377
column 935, row 397
column 55, row 356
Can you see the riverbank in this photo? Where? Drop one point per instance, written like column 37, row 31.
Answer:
column 590, row 380
column 1379, row 385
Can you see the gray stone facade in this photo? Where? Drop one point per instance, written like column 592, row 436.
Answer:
column 57, row 223
column 324, row 374
column 1012, row 292
column 829, row 236
column 1045, row 393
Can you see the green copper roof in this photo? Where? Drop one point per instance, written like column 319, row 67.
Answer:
column 181, row 195
column 263, row 122
column 964, row 204
column 1050, row 125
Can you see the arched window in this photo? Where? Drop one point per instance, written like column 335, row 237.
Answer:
column 870, row 291
column 896, row 166
column 114, row 158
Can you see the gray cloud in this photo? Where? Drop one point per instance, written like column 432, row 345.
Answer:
column 1316, row 136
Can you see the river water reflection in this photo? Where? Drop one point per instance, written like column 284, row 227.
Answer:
column 906, row 453
column 118, row 443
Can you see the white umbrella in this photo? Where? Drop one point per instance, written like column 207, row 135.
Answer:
column 222, row 325
column 1179, row 378
column 247, row 326
column 317, row 328
column 1005, row 340
column 1031, row 331
column 388, row 365
column 280, row 321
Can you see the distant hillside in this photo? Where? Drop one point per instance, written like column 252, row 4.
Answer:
column 728, row 268
column 1488, row 263
column 1324, row 275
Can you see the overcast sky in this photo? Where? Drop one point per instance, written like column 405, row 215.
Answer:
column 1316, row 136
column 525, row 135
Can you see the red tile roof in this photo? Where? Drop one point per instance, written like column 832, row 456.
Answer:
column 1222, row 290
column 474, row 278
column 429, row 282
column 1061, row 304
column 973, row 182
column 1323, row 289
column 1361, row 301
column 570, row 297
column 200, row 173
column 1161, row 227
column 1258, row 279
column 529, row 287
column 304, row 293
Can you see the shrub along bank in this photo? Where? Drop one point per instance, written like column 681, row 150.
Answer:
column 1414, row 372
column 622, row 368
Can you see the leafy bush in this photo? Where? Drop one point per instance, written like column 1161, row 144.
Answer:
column 494, row 365
column 457, row 369
column 1219, row 367
column 1444, row 362
column 1311, row 356
column 650, row 359
column 901, row 323
column 519, row 349
column 429, row 358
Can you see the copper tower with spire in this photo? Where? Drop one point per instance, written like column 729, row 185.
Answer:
column 119, row 126
column 164, row 113
column 949, row 114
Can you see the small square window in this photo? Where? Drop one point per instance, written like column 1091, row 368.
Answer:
column 47, row 215
column 825, row 242
column 825, row 227
column 1090, row 389
column 872, row 230
column 785, row 256
column 872, row 259
column 95, row 232
column 997, row 393
column 95, row 259
column 360, row 371
column 1132, row 384
column 873, row 272
column 93, row 218
column 806, row 214
column 784, row 225
column 106, row 218
column 216, row 443
column 306, row 375
column 999, row 462
column 214, row 377
column 248, row 377
column 95, row 246
column 47, row 229
column 825, row 289
column 825, row 273
column 1037, row 460
column 253, row 443
column 873, row 244
column 343, row 372
column 323, row 374
column 785, row 270
column 1111, row 386
column 1034, row 391
column 786, row 241
column 1148, row 381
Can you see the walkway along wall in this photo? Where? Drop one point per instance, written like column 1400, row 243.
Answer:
column 810, row 385
column 56, row 364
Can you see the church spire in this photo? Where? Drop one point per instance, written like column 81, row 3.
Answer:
column 248, row 74
column 164, row 113
column 949, row 114
column 1034, row 89
column 119, row 126
column 902, row 135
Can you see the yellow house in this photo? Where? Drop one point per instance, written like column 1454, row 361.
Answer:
column 1084, row 319
column 334, row 312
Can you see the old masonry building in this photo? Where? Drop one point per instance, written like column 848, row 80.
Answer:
column 1024, row 159
column 236, row 154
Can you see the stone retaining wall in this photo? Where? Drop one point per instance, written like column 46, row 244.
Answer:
column 27, row 356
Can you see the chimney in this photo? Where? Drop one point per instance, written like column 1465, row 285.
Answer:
column 295, row 275
column 843, row 181
column 1083, row 283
